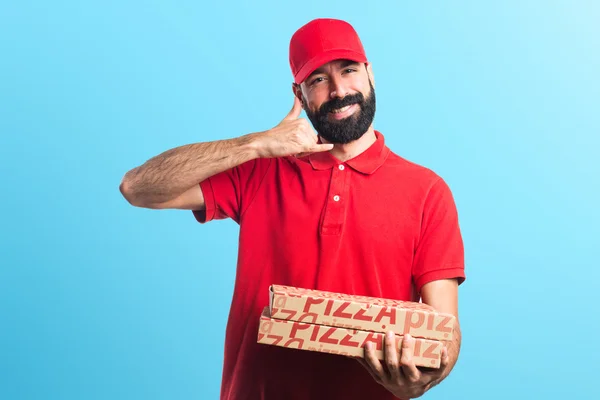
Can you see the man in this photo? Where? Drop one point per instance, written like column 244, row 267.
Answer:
column 338, row 212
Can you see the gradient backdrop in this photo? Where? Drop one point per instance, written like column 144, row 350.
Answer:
column 101, row 300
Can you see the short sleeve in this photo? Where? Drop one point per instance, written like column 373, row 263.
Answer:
column 439, row 252
column 228, row 194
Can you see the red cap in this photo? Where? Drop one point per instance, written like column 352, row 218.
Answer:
column 321, row 41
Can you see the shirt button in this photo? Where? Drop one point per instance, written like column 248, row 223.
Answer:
column 336, row 198
column 341, row 167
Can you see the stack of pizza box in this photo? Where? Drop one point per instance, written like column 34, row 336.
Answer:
column 341, row 324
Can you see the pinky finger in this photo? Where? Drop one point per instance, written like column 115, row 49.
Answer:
column 445, row 357
column 322, row 147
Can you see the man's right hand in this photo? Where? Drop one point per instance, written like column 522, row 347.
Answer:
column 170, row 179
column 292, row 137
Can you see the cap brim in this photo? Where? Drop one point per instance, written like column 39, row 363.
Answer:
column 324, row 58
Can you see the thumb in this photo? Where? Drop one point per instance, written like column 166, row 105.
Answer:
column 295, row 111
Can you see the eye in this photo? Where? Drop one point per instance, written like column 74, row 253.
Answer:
column 349, row 70
column 317, row 80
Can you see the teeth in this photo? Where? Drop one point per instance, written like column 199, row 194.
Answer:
column 340, row 110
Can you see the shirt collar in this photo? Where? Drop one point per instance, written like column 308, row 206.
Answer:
column 366, row 162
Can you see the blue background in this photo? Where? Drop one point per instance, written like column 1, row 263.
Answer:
column 101, row 300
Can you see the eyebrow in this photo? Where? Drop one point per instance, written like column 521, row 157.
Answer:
column 344, row 64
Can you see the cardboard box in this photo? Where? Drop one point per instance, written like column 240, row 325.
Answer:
column 336, row 340
column 359, row 312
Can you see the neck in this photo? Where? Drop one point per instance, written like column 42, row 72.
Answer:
column 344, row 152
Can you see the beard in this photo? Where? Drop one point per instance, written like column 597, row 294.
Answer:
column 350, row 128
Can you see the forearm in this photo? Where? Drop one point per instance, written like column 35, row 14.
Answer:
column 169, row 174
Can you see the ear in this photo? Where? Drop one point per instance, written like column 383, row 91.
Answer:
column 297, row 90
column 369, row 67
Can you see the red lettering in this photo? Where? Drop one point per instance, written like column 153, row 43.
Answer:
column 387, row 312
column 291, row 341
column 326, row 338
column 417, row 351
column 276, row 337
column 347, row 342
column 279, row 301
column 290, row 314
column 360, row 315
column 307, row 316
column 315, row 332
column 328, row 307
column 311, row 301
column 430, row 318
column 430, row 351
column 297, row 327
column 408, row 323
column 375, row 338
column 339, row 312
column 266, row 326
column 442, row 325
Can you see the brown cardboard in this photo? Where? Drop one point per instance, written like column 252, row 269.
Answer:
column 336, row 340
column 360, row 312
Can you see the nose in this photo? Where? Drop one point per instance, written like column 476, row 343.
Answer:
column 337, row 88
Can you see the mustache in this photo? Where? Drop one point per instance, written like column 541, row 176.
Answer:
column 350, row 99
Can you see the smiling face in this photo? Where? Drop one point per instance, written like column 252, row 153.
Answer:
column 339, row 100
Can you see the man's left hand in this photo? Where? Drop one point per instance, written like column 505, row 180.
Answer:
column 398, row 372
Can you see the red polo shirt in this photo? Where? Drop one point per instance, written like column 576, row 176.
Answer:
column 375, row 225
